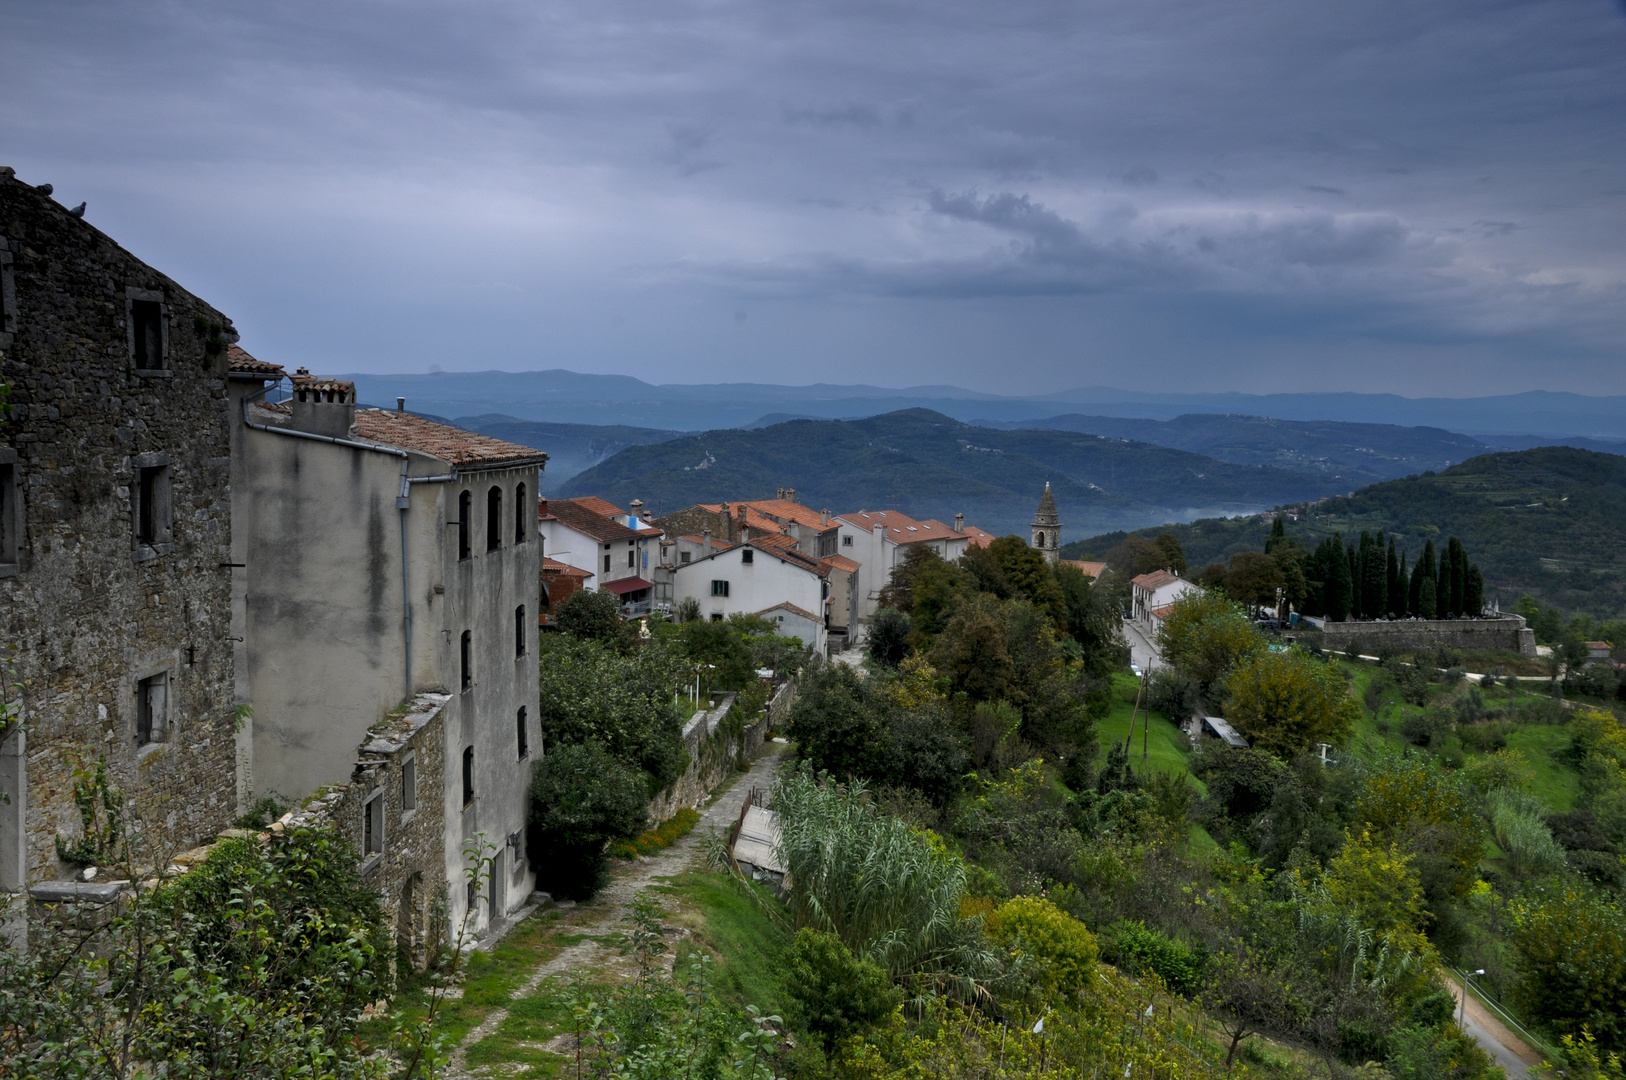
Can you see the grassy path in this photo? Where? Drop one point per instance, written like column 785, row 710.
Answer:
column 510, row 1017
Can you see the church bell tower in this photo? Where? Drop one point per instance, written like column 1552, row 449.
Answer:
column 1047, row 526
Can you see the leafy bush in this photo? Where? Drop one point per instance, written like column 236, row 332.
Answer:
column 1173, row 693
column 887, row 642
column 625, row 703
column 581, row 799
column 1516, row 819
column 836, row 993
column 1287, row 702
column 1061, row 950
column 1142, row 949
column 1427, row 727
column 1485, row 737
column 1554, row 929
column 591, row 616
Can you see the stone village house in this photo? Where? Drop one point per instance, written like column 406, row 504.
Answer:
column 225, row 598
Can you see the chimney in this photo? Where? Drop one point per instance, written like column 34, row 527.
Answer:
column 542, row 506
column 705, row 543
column 324, row 406
column 745, row 530
column 824, row 516
column 780, row 493
column 635, row 519
column 790, row 493
column 400, row 404
column 959, row 523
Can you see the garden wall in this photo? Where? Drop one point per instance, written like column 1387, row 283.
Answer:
column 717, row 747
column 1507, row 633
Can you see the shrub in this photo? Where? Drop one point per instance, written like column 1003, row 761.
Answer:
column 1516, row 819
column 1061, row 949
column 593, row 616
column 661, row 836
column 1552, row 930
column 836, row 993
column 624, row 703
column 1485, row 737
column 581, row 799
column 887, row 642
column 1287, row 702
column 1172, row 693
column 1142, row 949
column 1427, row 728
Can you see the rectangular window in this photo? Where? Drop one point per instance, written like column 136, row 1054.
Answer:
column 151, row 505
column 8, row 296
column 748, row 556
column 717, row 616
column 606, row 564
column 827, row 546
column 468, row 775
column 11, row 514
column 524, row 736
column 147, row 337
column 152, row 709
column 846, row 541
column 465, row 647
column 521, row 515
column 464, row 509
column 472, row 897
column 409, row 784
column 494, row 519
column 372, row 826
column 519, row 631
column 683, row 556
column 719, row 588
column 630, row 563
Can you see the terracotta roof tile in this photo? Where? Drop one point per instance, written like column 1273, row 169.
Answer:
column 599, row 506
column 793, row 609
column 755, row 518
column 461, row 448
column 840, row 562
column 589, row 522
column 716, row 544
column 1093, row 569
column 903, row 529
column 790, row 511
column 1155, row 580
column 239, row 362
column 554, row 566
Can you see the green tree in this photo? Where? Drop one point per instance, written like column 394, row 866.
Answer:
column 582, row 797
column 836, row 993
column 1060, row 950
column 1374, row 581
column 887, row 641
column 1424, row 585
column 1204, row 635
column 1253, row 578
column 1340, row 587
column 1571, row 943
column 1287, row 702
column 1174, row 556
column 1092, row 621
column 1473, row 592
column 1028, row 574
column 1459, row 577
column 971, row 651
column 591, row 616
column 1431, row 814
column 1400, row 595
column 836, row 723
column 624, row 702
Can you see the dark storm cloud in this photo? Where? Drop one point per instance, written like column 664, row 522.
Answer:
column 903, row 190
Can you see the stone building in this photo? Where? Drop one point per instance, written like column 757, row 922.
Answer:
column 1047, row 527
column 115, row 535
column 379, row 557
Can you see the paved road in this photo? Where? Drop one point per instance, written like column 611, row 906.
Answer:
column 1505, row 1048
column 1141, row 651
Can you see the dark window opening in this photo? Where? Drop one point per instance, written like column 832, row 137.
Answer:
column 409, row 784
column 827, row 546
column 494, row 519
column 519, row 631
column 524, row 736
column 606, row 564
column 464, row 507
column 152, row 709
column 719, row 588
column 846, row 541
column 683, row 556
column 372, row 827
column 150, row 492
column 631, row 560
column 472, row 892
column 717, row 616
column 520, row 515
column 10, row 518
column 465, row 660
column 748, row 556
column 147, row 331
column 468, row 775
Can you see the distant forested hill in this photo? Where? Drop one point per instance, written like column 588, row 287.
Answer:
column 928, row 465
column 1550, row 522
column 570, row 447
column 1356, row 454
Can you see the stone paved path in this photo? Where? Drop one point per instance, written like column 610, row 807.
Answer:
column 605, row 913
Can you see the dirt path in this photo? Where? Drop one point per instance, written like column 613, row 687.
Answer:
column 605, row 913
column 1505, row 1048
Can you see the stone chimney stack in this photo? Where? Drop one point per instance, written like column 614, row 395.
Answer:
column 745, row 530
column 637, row 508
column 790, row 493
column 324, row 406
column 959, row 523
column 705, row 543
column 824, row 517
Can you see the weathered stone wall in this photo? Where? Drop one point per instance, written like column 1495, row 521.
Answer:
column 1507, row 633
column 697, row 521
column 409, row 873
column 88, row 611
column 716, row 748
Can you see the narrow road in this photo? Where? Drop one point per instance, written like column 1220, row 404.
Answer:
column 606, row 912
column 1142, row 652
column 1505, row 1048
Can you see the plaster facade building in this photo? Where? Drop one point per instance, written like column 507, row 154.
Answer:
column 378, row 557
column 1152, row 594
column 115, row 528
column 878, row 540
column 754, row 577
column 617, row 547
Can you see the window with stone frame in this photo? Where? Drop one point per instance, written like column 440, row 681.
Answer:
column 151, row 506
column 372, row 826
column 152, row 709
column 147, row 323
column 11, row 514
column 409, row 784
column 494, row 518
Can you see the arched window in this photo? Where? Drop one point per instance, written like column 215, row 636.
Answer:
column 1041, row 539
column 465, row 648
column 519, row 631
column 464, row 509
column 494, row 518
column 520, row 515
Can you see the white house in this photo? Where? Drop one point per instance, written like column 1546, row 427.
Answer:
column 1153, row 594
column 612, row 544
column 756, row 577
column 879, row 539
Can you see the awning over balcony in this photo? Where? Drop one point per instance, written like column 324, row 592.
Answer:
column 627, row 585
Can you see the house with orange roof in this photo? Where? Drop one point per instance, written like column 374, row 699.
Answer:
column 1154, row 594
column 879, row 539
column 755, row 576
column 616, row 547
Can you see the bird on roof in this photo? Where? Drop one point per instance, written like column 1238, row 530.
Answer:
column 44, row 189
column 78, row 211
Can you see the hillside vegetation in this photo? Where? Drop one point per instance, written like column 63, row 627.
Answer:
column 929, row 465
column 1549, row 522
column 1355, row 453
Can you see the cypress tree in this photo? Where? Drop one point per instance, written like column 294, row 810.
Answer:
column 1374, row 601
column 1459, row 579
column 1352, row 555
column 1338, row 581
column 1442, row 585
column 1401, row 598
column 1391, row 581
column 1423, row 581
column 1473, row 592
column 1278, row 533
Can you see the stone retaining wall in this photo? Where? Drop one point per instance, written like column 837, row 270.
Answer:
column 715, row 751
column 1507, row 632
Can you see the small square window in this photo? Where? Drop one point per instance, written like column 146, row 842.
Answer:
column 748, row 556
column 683, row 556
column 148, row 324
column 719, row 588
column 846, row 541
column 152, row 709
column 409, row 784
column 372, row 826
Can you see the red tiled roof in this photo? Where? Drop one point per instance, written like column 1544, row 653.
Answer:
column 589, row 522
column 903, row 529
column 461, row 448
column 840, row 562
column 599, row 506
column 1093, row 569
column 790, row 511
column 554, row 566
column 793, row 609
column 777, row 540
column 719, row 545
column 979, row 537
column 755, row 518
column 1159, row 612
column 771, row 545
column 1155, row 580
column 239, row 362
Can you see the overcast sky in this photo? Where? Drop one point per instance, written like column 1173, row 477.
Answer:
column 1425, row 197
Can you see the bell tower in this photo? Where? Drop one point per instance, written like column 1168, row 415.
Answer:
column 1047, row 526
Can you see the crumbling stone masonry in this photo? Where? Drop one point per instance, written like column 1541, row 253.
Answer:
column 114, row 528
